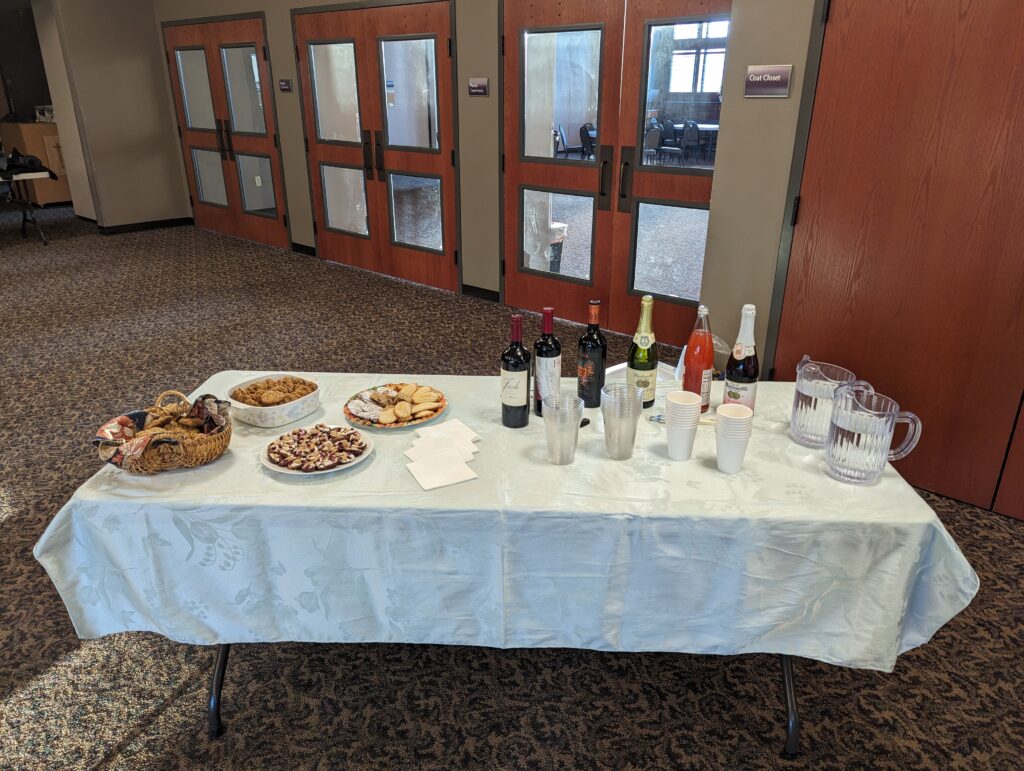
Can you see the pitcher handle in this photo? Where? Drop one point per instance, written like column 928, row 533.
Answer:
column 910, row 440
column 861, row 384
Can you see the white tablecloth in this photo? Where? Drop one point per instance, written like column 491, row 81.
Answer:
column 638, row 555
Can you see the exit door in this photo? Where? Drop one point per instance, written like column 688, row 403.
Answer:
column 376, row 89
column 220, row 78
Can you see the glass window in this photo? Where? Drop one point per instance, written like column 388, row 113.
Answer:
column 209, row 177
column 416, row 211
column 669, row 258
column 345, row 199
column 558, row 230
column 257, row 184
column 245, row 92
column 195, row 88
column 410, row 93
column 332, row 68
column 561, row 86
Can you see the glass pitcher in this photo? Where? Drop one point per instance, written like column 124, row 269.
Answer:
column 860, row 434
column 816, row 382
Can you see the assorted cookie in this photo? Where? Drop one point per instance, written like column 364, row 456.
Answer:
column 395, row 405
column 272, row 392
column 320, row 448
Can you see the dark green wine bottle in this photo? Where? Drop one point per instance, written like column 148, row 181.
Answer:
column 642, row 362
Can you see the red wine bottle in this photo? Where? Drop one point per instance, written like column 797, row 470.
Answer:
column 547, row 362
column 515, row 379
column 593, row 354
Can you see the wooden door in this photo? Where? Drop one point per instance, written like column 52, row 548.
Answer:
column 223, row 95
column 906, row 261
column 379, row 121
column 1010, row 495
column 561, row 72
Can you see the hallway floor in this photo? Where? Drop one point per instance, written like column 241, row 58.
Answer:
column 94, row 324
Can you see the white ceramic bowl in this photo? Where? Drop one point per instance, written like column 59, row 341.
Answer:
column 279, row 414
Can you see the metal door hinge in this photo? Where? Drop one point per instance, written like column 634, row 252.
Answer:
column 305, row 141
column 275, row 140
column 285, row 218
column 190, row 202
column 314, row 227
column 449, row 46
column 456, row 256
column 825, row 11
column 502, row 45
column 503, row 163
column 453, row 158
column 503, row 267
column 796, row 212
column 265, row 57
column 297, row 57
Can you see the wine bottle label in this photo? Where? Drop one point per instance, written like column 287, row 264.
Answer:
column 741, row 351
column 514, row 388
column 647, row 379
column 549, row 372
column 586, row 370
column 705, row 386
column 740, row 393
column 645, row 340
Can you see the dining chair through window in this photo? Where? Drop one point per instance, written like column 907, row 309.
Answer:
column 567, row 149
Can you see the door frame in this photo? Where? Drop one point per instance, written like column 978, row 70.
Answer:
column 456, row 151
column 273, row 92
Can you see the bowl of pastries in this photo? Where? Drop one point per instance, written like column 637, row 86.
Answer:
column 270, row 401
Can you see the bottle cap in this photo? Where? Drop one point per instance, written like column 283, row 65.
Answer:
column 751, row 309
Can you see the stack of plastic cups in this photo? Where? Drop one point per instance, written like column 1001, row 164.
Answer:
column 620, row 408
column 682, row 413
column 733, row 427
column 562, row 415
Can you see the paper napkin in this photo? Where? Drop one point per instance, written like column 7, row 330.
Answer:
column 428, row 446
column 450, row 428
column 440, row 470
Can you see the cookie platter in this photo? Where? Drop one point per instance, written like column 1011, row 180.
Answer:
column 319, row 449
column 395, row 405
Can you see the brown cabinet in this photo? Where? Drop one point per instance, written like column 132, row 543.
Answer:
column 42, row 141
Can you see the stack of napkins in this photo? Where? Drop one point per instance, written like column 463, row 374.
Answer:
column 440, row 453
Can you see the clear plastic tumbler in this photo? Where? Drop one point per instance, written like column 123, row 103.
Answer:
column 621, row 407
column 562, row 416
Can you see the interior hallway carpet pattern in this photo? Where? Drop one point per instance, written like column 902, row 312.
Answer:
column 93, row 325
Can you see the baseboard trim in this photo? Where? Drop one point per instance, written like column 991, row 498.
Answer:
column 481, row 294
column 133, row 226
column 303, row 249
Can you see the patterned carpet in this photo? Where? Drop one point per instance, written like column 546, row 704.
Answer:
column 94, row 324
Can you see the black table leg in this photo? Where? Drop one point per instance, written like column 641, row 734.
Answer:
column 20, row 193
column 216, row 727
column 789, row 752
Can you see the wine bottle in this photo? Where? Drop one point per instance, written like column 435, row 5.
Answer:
column 547, row 362
column 642, row 362
column 699, row 361
column 742, row 371
column 515, row 379
column 593, row 354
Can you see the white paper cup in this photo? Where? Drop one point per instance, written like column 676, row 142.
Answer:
column 680, row 442
column 730, row 452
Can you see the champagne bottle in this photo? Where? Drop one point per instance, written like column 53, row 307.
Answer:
column 547, row 362
column 699, row 361
column 642, row 362
column 515, row 379
column 593, row 354
column 742, row 371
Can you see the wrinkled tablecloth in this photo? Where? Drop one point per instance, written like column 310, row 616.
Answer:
column 638, row 555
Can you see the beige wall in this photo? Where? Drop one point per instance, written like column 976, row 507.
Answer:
column 750, row 195
column 119, row 79
column 64, row 108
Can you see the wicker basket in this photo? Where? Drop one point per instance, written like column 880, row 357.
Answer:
column 186, row 451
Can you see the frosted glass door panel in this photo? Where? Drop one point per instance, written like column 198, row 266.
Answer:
column 195, row 88
column 257, row 184
column 245, row 92
column 670, row 243
column 561, row 83
column 410, row 93
column 558, row 233
column 335, row 91
column 345, row 199
column 416, row 211
column 209, row 177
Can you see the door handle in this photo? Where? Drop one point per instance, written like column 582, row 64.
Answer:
column 227, row 139
column 606, row 155
column 220, row 139
column 626, row 179
column 379, row 151
column 367, row 154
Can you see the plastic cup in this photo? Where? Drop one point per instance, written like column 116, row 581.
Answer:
column 680, row 442
column 730, row 451
column 562, row 415
column 620, row 408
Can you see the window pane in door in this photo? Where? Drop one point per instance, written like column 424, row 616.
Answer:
column 669, row 257
column 209, row 176
column 257, row 182
column 245, row 92
column 561, row 87
column 416, row 211
column 558, row 231
column 345, row 199
column 195, row 88
column 332, row 69
column 410, row 93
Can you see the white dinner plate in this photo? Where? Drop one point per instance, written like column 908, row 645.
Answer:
column 282, row 470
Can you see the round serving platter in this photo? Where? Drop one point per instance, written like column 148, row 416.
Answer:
column 295, row 472
column 363, row 423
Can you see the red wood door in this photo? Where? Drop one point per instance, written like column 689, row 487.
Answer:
column 1010, row 495
column 663, row 193
column 561, row 76
column 378, row 110
column 223, row 94
column 906, row 262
